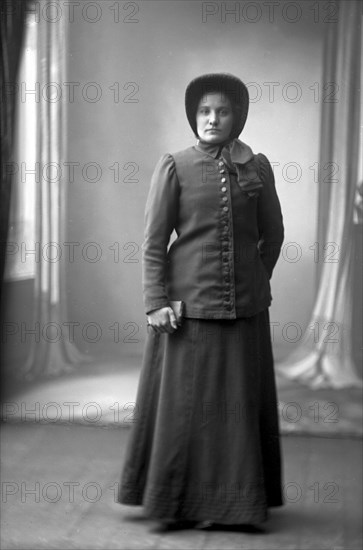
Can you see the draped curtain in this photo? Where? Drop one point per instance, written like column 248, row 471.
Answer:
column 12, row 25
column 53, row 353
column 324, row 357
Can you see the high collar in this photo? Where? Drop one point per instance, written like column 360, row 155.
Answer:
column 212, row 149
column 237, row 156
column 239, row 152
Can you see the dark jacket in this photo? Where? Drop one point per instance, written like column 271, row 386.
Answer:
column 228, row 239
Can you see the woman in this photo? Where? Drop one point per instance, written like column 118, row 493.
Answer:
column 205, row 446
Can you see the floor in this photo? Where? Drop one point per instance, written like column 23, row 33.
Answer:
column 59, row 483
column 104, row 394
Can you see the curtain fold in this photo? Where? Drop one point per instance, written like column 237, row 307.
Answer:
column 324, row 357
column 54, row 353
column 12, row 26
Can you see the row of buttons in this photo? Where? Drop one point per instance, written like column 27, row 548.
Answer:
column 227, row 302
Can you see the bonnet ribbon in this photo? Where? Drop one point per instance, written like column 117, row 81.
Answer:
column 240, row 160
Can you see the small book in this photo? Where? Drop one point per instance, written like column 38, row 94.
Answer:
column 178, row 306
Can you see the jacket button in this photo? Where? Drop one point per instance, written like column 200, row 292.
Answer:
column 224, row 199
column 224, row 189
column 227, row 279
column 225, row 208
column 223, row 180
column 220, row 163
column 222, row 171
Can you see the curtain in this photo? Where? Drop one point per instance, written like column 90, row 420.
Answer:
column 53, row 354
column 12, row 24
column 324, row 357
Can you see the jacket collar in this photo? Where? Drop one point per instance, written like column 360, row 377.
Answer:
column 239, row 159
column 209, row 148
column 238, row 151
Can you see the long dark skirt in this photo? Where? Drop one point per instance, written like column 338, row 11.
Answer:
column 205, row 444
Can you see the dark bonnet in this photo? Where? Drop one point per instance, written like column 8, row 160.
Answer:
column 226, row 83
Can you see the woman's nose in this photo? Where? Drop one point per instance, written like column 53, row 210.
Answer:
column 213, row 118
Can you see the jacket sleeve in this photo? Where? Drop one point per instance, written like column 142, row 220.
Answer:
column 270, row 222
column 160, row 218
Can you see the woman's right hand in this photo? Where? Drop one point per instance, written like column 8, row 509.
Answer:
column 162, row 320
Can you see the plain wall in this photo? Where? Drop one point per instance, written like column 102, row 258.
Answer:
column 168, row 46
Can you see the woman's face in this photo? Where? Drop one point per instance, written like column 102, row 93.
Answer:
column 214, row 118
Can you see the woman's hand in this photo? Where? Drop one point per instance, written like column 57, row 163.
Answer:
column 162, row 320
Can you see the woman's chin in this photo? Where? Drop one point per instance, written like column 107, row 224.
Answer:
column 213, row 139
